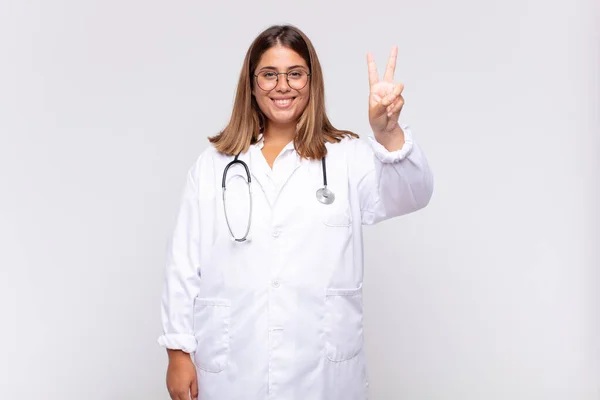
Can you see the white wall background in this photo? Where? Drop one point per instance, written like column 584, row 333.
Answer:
column 489, row 293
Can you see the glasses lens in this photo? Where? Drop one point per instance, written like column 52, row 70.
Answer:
column 297, row 79
column 267, row 80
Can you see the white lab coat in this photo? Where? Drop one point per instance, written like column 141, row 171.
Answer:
column 281, row 316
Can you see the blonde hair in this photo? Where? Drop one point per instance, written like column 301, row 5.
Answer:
column 247, row 120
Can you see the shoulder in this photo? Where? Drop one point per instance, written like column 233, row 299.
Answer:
column 204, row 163
column 349, row 146
column 344, row 142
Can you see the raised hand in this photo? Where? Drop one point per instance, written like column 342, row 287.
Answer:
column 385, row 99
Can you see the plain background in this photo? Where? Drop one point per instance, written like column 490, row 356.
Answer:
column 488, row 293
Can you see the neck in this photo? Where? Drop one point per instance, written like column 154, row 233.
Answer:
column 279, row 134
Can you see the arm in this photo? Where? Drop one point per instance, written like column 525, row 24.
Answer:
column 181, row 275
column 393, row 177
column 391, row 183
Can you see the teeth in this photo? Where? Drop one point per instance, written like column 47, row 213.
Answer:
column 283, row 103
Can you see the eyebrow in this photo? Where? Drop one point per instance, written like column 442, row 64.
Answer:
column 275, row 69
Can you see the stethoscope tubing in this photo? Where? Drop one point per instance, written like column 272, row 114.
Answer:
column 324, row 195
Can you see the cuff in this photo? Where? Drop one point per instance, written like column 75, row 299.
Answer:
column 176, row 341
column 389, row 157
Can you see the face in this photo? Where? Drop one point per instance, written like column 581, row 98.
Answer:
column 283, row 104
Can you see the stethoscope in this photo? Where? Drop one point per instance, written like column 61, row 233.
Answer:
column 324, row 195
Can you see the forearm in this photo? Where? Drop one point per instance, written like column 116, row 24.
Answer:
column 392, row 141
column 391, row 182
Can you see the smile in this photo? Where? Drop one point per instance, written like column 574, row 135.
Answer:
column 283, row 103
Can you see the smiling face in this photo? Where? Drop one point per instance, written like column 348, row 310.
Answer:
column 283, row 104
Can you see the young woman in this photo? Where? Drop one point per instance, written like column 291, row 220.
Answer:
column 263, row 287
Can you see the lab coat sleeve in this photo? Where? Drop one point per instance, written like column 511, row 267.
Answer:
column 181, row 280
column 391, row 184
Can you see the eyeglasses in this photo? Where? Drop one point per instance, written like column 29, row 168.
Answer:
column 296, row 79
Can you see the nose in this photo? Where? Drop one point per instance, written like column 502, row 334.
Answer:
column 282, row 83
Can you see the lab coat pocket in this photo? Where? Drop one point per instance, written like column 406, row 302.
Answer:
column 343, row 323
column 211, row 329
column 335, row 215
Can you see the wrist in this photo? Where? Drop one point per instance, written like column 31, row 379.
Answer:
column 175, row 355
column 392, row 140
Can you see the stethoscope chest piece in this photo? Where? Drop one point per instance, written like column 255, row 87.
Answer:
column 325, row 195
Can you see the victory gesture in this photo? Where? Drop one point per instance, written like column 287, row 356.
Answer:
column 385, row 99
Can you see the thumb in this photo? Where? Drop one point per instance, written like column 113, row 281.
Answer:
column 194, row 388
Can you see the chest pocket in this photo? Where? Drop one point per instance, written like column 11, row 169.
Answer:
column 336, row 214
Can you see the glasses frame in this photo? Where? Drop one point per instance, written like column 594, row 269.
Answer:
column 287, row 79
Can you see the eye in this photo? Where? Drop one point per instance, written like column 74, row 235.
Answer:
column 268, row 75
column 296, row 74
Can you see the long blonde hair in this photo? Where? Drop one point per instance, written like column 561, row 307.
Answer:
column 247, row 120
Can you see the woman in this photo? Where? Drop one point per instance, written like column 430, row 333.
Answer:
column 270, row 307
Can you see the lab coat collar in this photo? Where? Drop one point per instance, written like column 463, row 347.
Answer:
column 260, row 169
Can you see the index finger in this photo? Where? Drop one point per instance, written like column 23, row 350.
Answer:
column 373, row 75
column 391, row 65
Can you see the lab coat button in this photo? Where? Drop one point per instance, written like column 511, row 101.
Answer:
column 276, row 233
column 275, row 284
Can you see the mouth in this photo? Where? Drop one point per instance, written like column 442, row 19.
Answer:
column 283, row 103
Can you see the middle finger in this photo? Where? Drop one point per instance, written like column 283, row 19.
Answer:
column 391, row 65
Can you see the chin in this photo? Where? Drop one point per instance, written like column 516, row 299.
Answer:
column 284, row 121
column 283, row 117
